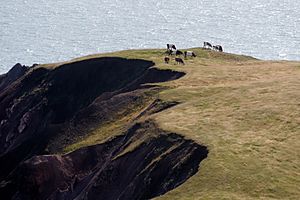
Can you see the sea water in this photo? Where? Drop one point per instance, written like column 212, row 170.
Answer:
column 47, row 31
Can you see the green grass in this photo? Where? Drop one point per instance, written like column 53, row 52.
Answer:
column 247, row 113
column 121, row 121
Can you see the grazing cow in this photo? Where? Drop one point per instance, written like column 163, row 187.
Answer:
column 218, row 48
column 179, row 61
column 189, row 53
column 167, row 60
column 207, row 45
column 177, row 52
column 171, row 47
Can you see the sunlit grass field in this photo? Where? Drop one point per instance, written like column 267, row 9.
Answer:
column 246, row 111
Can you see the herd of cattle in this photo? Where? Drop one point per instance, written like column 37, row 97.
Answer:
column 172, row 50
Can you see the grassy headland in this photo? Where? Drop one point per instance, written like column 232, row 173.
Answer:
column 246, row 111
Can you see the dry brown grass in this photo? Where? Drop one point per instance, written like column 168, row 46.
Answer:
column 246, row 111
column 248, row 114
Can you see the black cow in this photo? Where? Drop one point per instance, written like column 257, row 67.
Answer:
column 177, row 52
column 218, row 48
column 179, row 61
column 207, row 45
column 171, row 47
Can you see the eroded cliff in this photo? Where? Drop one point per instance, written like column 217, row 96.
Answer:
column 42, row 111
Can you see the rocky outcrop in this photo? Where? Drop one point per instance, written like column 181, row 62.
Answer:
column 142, row 163
column 16, row 72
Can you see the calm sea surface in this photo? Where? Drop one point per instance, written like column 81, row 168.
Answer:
column 46, row 31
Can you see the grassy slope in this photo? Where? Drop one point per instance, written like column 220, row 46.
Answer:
column 248, row 114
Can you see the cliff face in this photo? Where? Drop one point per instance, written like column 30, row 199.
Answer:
column 114, row 169
column 42, row 110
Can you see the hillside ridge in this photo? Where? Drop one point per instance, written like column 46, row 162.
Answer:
column 222, row 126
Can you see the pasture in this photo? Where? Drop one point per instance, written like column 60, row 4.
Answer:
column 246, row 111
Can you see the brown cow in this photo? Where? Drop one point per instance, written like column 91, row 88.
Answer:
column 167, row 60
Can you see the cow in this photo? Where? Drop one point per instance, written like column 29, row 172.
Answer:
column 207, row 45
column 167, row 60
column 218, row 48
column 179, row 61
column 177, row 52
column 171, row 47
column 189, row 53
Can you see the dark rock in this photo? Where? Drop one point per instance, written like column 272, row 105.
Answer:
column 160, row 163
column 13, row 74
